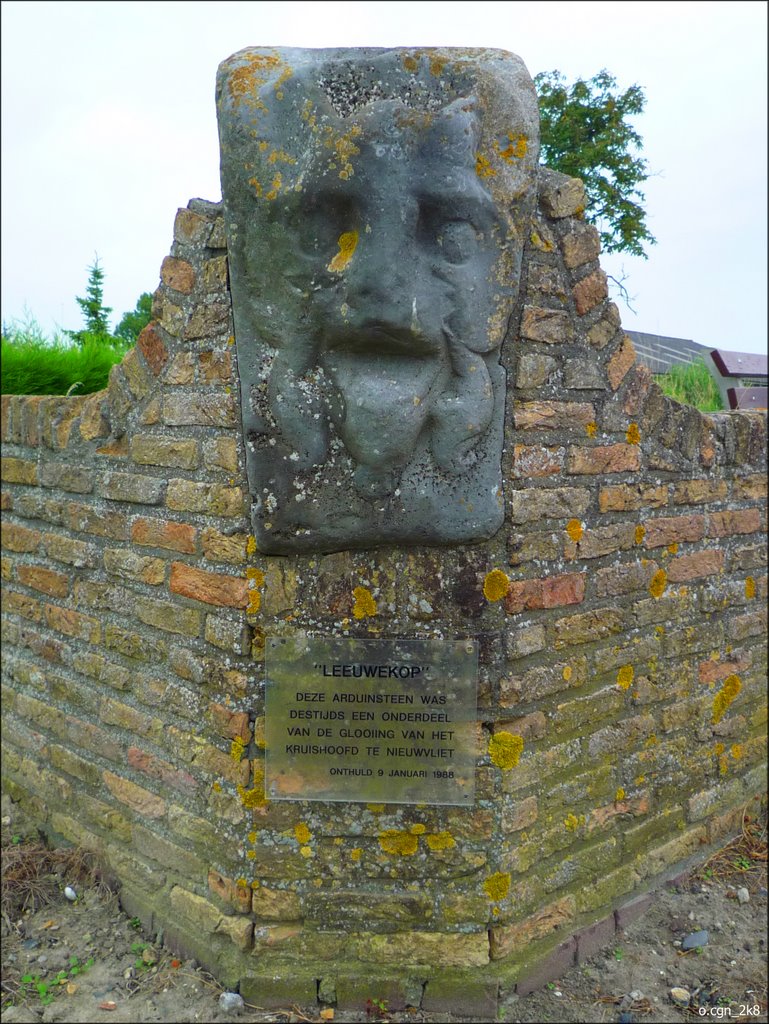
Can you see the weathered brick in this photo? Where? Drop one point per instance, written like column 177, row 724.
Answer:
column 73, row 552
column 20, row 538
column 181, row 370
column 621, row 737
column 199, row 410
column 550, row 592
column 220, row 547
column 177, row 274
column 136, row 797
column 208, row 587
column 603, row 540
column 113, row 712
column 228, row 634
column 214, row 275
column 99, row 522
column 100, row 668
column 551, row 326
column 533, row 547
column 229, row 723
column 734, row 521
column 583, row 374
column 620, row 363
column 209, row 321
column 714, row 671
column 743, row 626
column 215, row 366
column 561, row 196
column 536, row 460
column 18, row 471
column 72, row 623
column 752, row 556
column 587, row 626
column 613, row 458
column 93, row 421
column 22, row 604
column 553, row 415
column 190, row 227
column 513, row 939
column 128, row 565
column 532, row 504
column 47, row 581
column 632, row 497
column 160, row 450
column 625, row 578
column 749, row 488
column 221, row 453
column 239, row 897
column 66, row 478
column 698, row 492
column 147, row 763
column 172, row 618
column 519, row 814
column 690, row 567
column 214, row 499
column 143, row 490
column 542, row 681
column 673, row 530
column 159, row 533
column 533, row 369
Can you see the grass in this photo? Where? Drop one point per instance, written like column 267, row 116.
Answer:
column 692, row 384
column 33, row 364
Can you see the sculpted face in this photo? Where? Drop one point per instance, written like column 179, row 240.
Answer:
column 375, row 203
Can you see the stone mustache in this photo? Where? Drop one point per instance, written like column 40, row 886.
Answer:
column 376, row 205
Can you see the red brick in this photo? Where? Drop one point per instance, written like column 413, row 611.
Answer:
column 550, row 592
column 690, row 567
column 725, row 524
column 590, row 291
column 151, row 345
column 135, row 797
column 535, row 460
column 156, row 768
column 673, row 530
column 45, row 580
column 612, row 458
column 229, row 723
column 215, row 367
column 620, row 363
column 72, row 623
column 228, row 891
column 715, row 671
column 209, row 587
column 156, row 533
column 177, row 274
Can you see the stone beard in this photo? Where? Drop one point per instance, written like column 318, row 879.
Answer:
column 376, row 204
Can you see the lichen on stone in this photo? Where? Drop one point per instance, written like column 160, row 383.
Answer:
column 365, row 605
column 750, row 588
column 575, row 530
column 496, row 585
column 440, row 841
column 505, row 750
column 497, row 886
column 302, row 833
column 625, row 677
column 725, row 696
column 659, row 582
column 399, row 844
column 633, row 434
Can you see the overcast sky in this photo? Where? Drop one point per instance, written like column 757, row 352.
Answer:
column 109, row 126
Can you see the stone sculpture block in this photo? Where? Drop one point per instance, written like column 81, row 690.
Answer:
column 376, row 205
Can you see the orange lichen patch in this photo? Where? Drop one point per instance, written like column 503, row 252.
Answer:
column 640, row 533
column 571, row 822
column 591, row 429
column 497, row 886
column 252, row 836
column 302, row 833
column 418, row 829
column 437, row 64
column 633, row 434
column 244, row 81
column 399, row 844
column 724, row 697
column 365, row 605
column 217, row 787
column 251, row 545
column 567, row 672
column 659, row 582
column 348, row 243
column 483, row 168
column 410, row 63
column 750, row 588
column 496, row 585
column 306, row 851
column 625, row 677
column 736, row 750
column 252, row 798
column 237, row 749
column 575, row 529
column 516, row 147
column 619, row 795
column 356, row 854
column 255, row 578
column 256, row 185
column 440, row 841
column 505, row 750
column 251, row 854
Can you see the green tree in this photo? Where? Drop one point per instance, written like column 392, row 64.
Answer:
column 95, row 313
column 585, row 132
column 133, row 323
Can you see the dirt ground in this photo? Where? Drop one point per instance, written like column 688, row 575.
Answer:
column 83, row 960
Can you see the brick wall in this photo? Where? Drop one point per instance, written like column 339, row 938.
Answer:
column 620, row 615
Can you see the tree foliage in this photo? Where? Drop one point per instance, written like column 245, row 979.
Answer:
column 585, row 133
column 95, row 313
column 132, row 324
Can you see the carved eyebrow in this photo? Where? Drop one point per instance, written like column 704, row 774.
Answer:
column 458, row 203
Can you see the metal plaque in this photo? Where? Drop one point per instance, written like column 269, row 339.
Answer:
column 371, row 721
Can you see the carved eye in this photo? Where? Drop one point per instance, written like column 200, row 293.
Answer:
column 457, row 240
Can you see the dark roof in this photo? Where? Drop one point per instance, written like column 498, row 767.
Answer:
column 659, row 352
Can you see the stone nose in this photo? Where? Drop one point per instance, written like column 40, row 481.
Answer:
column 382, row 281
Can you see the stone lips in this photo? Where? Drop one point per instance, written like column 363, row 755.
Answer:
column 376, row 205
